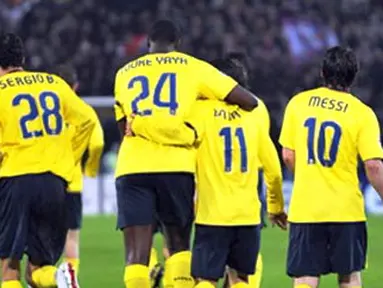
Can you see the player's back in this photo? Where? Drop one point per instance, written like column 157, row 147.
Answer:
column 32, row 125
column 227, row 165
column 325, row 131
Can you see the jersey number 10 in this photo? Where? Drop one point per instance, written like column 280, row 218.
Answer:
column 158, row 90
column 34, row 114
column 310, row 123
column 227, row 135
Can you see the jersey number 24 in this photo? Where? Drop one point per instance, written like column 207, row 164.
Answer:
column 47, row 112
column 311, row 123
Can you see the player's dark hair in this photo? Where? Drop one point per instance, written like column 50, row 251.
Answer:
column 165, row 32
column 339, row 67
column 66, row 72
column 232, row 68
column 11, row 51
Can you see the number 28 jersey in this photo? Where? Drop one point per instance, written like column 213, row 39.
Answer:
column 161, row 90
column 34, row 108
column 328, row 130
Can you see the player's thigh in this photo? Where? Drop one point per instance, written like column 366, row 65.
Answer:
column 308, row 250
column 210, row 251
column 175, row 198
column 74, row 210
column 47, row 223
column 244, row 249
column 15, row 196
column 348, row 247
column 135, row 200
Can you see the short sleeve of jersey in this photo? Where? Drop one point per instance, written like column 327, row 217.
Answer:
column 118, row 109
column 213, row 84
column 369, row 141
column 287, row 136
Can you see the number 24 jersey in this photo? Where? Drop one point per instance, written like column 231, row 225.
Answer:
column 34, row 110
column 328, row 130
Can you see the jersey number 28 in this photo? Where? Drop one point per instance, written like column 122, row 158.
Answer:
column 227, row 134
column 47, row 112
column 172, row 104
column 311, row 123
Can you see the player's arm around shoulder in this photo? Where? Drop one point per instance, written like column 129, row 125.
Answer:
column 95, row 149
column 215, row 85
column 370, row 149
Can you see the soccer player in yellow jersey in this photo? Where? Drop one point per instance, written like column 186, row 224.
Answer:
column 95, row 147
column 234, row 144
column 324, row 132
column 38, row 161
column 154, row 180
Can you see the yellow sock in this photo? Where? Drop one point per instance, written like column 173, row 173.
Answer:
column 75, row 262
column 240, row 285
column 153, row 259
column 302, row 286
column 11, row 284
column 178, row 267
column 45, row 276
column 205, row 284
column 137, row 276
column 255, row 279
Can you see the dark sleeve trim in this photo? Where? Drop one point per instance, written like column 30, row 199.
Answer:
column 194, row 130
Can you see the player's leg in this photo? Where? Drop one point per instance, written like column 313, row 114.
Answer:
column 74, row 220
column 47, row 234
column 136, row 216
column 155, row 266
column 175, row 202
column 14, row 215
column 348, row 248
column 243, row 255
column 308, row 257
column 210, row 253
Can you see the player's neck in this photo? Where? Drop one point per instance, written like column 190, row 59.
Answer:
column 338, row 88
column 158, row 48
column 12, row 70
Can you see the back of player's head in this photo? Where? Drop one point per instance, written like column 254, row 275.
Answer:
column 68, row 73
column 11, row 51
column 232, row 68
column 164, row 32
column 339, row 67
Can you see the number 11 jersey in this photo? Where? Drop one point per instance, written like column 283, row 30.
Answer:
column 328, row 130
column 34, row 111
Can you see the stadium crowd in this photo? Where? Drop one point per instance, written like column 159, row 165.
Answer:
column 282, row 39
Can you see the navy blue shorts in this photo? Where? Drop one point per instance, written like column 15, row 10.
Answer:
column 74, row 210
column 323, row 248
column 217, row 246
column 144, row 199
column 32, row 218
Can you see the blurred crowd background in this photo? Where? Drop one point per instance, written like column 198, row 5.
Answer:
column 284, row 40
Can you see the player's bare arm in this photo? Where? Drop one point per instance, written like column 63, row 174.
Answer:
column 288, row 157
column 374, row 171
column 243, row 98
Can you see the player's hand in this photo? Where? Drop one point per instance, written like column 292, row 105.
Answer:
column 279, row 219
column 128, row 128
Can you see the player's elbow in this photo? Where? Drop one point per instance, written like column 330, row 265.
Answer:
column 288, row 157
column 243, row 98
column 374, row 168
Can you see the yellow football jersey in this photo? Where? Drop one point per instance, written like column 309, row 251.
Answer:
column 161, row 90
column 328, row 130
column 232, row 142
column 34, row 108
column 92, row 163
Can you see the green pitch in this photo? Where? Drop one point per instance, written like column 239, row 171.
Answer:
column 102, row 256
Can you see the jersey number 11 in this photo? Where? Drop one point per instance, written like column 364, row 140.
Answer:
column 228, row 136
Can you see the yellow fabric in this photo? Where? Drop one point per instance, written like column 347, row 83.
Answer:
column 178, row 267
column 256, row 279
column 95, row 147
column 163, row 88
column 11, row 284
column 167, row 280
column 136, row 276
column 44, row 277
column 204, row 284
column 32, row 125
column 302, row 286
column 240, row 285
column 153, row 259
column 227, row 170
column 337, row 128
column 75, row 262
